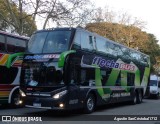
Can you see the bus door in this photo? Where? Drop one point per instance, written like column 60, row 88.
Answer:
column 71, row 75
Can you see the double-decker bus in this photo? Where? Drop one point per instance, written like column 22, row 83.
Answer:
column 11, row 48
column 71, row 68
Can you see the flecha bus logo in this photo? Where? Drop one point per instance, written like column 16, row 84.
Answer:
column 112, row 64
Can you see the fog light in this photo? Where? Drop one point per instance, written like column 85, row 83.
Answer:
column 61, row 105
column 20, row 101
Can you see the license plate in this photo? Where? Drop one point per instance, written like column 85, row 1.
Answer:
column 37, row 104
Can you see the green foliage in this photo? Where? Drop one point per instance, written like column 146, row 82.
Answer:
column 3, row 16
column 29, row 25
column 11, row 18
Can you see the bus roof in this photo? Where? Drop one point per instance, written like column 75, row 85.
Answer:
column 57, row 29
column 14, row 35
column 95, row 34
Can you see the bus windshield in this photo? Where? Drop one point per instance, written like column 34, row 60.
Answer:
column 46, row 75
column 49, row 42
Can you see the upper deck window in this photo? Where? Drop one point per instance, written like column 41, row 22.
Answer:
column 2, row 43
column 49, row 42
column 15, row 45
column 77, row 40
column 86, row 41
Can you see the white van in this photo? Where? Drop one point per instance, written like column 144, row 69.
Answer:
column 154, row 86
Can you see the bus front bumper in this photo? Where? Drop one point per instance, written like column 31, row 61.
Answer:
column 45, row 103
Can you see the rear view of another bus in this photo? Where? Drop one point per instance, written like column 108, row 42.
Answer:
column 11, row 54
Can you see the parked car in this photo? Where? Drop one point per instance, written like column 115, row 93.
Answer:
column 154, row 86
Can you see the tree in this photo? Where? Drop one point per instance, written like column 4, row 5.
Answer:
column 58, row 12
column 127, row 35
column 47, row 12
column 120, row 27
column 153, row 49
column 12, row 17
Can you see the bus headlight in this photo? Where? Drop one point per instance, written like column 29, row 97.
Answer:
column 22, row 93
column 60, row 94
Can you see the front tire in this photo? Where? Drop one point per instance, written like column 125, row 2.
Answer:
column 15, row 100
column 89, row 104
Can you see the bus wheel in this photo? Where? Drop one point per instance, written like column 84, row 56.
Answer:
column 15, row 100
column 139, row 97
column 134, row 101
column 89, row 104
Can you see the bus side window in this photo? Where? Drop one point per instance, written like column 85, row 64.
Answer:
column 83, row 75
column 118, row 82
column 74, row 73
column 130, row 79
column 86, row 41
column 105, row 75
column 91, row 42
column 2, row 43
column 101, row 45
column 87, row 76
column 8, row 75
column 77, row 41
column 94, row 44
column 20, row 45
column 15, row 45
column 10, row 44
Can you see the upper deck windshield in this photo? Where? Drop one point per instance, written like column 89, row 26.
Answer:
column 49, row 41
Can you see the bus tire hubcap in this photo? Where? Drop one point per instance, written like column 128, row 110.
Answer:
column 90, row 103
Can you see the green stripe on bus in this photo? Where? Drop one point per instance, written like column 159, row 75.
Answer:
column 98, row 81
column 11, row 57
column 63, row 57
column 112, row 80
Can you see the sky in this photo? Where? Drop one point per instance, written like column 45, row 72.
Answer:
column 145, row 10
